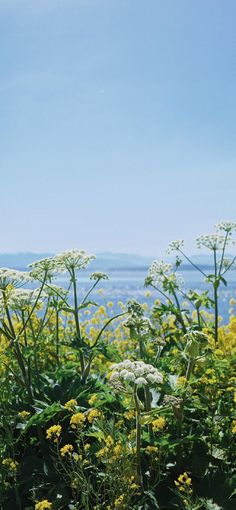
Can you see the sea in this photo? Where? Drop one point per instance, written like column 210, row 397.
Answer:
column 126, row 284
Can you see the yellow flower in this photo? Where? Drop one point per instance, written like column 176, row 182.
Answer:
column 77, row 457
column 94, row 413
column 54, row 432
column 87, row 446
column 23, row 414
column 181, row 381
column 129, row 415
column 102, row 453
column 77, row 420
column 233, row 427
column 109, row 441
column 184, row 483
column 43, row 505
column 68, row 448
column 10, row 464
column 71, row 404
column 159, row 424
column 232, row 302
column 117, row 450
column 92, row 399
column 151, row 449
column 119, row 501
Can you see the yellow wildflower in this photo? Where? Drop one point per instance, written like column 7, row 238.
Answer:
column 54, row 432
column 151, row 449
column 10, row 464
column 68, row 448
column 233, row 427
column 159, row 424
column 77, row 420
column 102, row 453
column 109, row 441
column 184, row 483
column 181, row 381
column 43, row 505
column 129, row 415
column 92, row 399
column 117, row 450
column 71, row 404
column 23, row 414
column 119, row 501
column 94, row 413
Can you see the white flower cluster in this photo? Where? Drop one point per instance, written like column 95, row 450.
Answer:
column 175, row 245
column 65, row 261
column 22, row 299
column 135, row 372
column 227, row 226
column 13, row 277
column 99, row 276
column 161, row 272
column 158, row 271
column 43, row 268
column 72, row 259
column 211, row 241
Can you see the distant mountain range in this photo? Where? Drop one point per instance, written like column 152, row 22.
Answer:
column 104, row 261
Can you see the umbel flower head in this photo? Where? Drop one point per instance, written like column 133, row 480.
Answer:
column 175, row 245
column 99, row 276
column 211, row 241
column 135, row 373
column 72, row 260
column 13, row 277
column 22, row 299
column 226, row 226
column 161, row 274
column 44, row 269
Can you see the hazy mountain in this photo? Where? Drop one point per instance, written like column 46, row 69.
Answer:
column 104, row 261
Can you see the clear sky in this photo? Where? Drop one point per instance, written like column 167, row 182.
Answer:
column 117, row 123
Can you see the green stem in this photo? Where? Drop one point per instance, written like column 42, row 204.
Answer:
column 138, row 438
column 76, row 315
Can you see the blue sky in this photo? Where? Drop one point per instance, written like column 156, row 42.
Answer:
column 117, row 123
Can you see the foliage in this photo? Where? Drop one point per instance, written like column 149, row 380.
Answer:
column 133, row 410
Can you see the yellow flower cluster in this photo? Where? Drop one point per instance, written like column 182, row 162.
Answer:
column 43, row 505
column 233, row 427
column 119, row 501
column 77, row 420
column 23, row 414
column 10, row 464
column 151, row 450
column 53, row 432
column 92, row 399
column 184, row 483
column 159, row 424
column 67, row 449
column 71, row 404
column 94, row 413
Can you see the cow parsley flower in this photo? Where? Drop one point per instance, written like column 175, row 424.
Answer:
column 135, row 372
column 22, row 299
column 72, row 260
column 211, row 241
column 13, row 277
column 162, row 274
column 226, row 226
column 44, row 269
column 99, row 276
column 175, row 245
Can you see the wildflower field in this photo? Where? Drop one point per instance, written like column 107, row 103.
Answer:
column 104, row 411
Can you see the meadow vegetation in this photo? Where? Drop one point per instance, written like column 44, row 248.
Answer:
column 117, row 411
